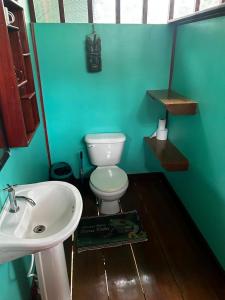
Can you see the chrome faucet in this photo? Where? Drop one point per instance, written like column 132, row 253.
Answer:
column 13, row 199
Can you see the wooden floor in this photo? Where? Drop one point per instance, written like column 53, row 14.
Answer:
column 173, row 265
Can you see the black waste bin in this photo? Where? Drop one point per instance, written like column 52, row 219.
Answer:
column 62, row 171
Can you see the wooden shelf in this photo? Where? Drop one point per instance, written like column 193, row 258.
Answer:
column 174, row 102
column 28, row 96
column 12, row 4
column 18, row 100
column 169, row 156
column 12, row 28
column 22, row 83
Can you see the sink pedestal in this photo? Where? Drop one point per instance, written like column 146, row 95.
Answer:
column 52, row 274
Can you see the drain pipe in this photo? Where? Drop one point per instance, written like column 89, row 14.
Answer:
column 81, row 169
column 30, row 274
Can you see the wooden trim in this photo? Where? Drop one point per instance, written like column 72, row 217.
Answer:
column 214, row 12
column 32, row 11
column 197, row 5
column 40, row 93
column 171, row 9
column 171, row 68
column 61, row 11
column 172, row 57
column 117, row 11
column 90, row 11
column 145, row 12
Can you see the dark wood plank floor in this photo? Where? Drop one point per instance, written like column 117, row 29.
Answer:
column 173, row 265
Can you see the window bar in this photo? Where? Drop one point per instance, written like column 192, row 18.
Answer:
column 117, row 11
column 145, row 12
column 32, row 11
column 197, row 5
column 90, row 11
column 61, row 11
column 171, row 9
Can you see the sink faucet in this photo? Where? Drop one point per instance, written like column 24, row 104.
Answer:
column 13, row 199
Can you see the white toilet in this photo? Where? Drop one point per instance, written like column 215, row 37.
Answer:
column 108, row 182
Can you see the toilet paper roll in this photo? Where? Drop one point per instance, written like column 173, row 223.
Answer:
column 153, row 135
column 162, row 124
column 161, row 134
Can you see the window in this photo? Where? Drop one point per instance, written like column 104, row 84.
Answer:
column 47, row 11
column 104, row 11
column 158, row 11
column 76, row 11
column 204, row 4
column 131, row 11
column 183, row 8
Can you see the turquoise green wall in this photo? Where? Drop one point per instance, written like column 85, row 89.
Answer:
column 135, row 58
column 199, row 74
column 25, row 165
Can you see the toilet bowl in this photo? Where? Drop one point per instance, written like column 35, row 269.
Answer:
column 108, row 182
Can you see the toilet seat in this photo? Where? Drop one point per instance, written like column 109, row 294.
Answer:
column 109, row 179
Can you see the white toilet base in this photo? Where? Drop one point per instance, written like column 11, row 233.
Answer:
column 109, row 202
column 109, row 207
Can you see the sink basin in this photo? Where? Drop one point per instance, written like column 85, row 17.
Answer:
column 54, row 218
column 41, row 230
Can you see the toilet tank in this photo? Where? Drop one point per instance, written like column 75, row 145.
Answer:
column 105, row 149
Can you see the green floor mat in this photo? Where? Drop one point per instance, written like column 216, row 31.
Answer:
column 109, row 231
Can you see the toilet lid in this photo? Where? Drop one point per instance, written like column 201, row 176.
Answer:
column 108, row 179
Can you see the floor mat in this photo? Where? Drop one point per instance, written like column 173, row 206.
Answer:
column 109, row 231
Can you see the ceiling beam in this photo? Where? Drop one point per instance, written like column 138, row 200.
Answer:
column 205, row 14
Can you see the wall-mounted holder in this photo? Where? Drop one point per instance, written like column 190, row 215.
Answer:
column 169, row 156
column 175, row 103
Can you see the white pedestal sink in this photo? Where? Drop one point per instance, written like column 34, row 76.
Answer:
column 41, row 230
column 52, row 273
